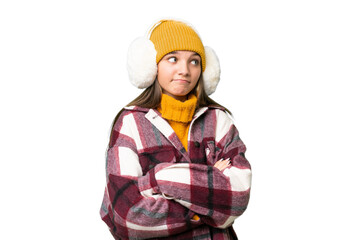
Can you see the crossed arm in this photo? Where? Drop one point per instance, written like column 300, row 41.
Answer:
column 175, row 197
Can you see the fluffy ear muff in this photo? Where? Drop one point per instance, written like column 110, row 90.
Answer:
column 211, row 75
column 141, row 62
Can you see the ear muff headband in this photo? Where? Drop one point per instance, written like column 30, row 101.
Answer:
column 142, row 66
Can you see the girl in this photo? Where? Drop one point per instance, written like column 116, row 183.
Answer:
column 175, row 164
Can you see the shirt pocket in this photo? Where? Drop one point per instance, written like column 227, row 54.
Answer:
column 151, row 157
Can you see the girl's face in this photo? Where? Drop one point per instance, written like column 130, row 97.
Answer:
column 178, row 73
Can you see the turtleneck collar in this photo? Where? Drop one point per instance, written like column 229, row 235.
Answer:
column 175, row 110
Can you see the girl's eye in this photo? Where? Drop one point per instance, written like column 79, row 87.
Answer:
column 195, row 62
column 172, row 59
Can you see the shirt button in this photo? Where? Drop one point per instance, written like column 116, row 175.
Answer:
column 197, row 144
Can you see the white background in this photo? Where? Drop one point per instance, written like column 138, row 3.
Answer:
column 290, row 74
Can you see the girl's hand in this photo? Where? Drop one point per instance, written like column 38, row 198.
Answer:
column 222, row 164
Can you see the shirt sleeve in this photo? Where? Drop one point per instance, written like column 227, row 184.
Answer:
column 129, row 214
column 217, row 197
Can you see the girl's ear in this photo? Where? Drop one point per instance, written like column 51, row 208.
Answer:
column 141, row 62
column 211, row 75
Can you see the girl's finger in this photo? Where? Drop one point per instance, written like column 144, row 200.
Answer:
column 217, row 164
column 227, row 163
column 223, row 165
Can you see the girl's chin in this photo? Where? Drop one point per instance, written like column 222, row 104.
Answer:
column 178, row 92
column 178, row 96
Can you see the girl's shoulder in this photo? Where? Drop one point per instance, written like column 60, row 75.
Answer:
column 128, row 113
column 134, row 109
column 219, row 111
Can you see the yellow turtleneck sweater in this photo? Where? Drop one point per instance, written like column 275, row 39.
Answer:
column 178, row 114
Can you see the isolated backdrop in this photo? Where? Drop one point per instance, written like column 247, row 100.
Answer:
column 290, row 75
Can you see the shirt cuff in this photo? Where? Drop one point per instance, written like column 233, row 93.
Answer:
column 147, row 184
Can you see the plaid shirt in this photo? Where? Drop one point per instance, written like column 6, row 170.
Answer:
column 155, row 187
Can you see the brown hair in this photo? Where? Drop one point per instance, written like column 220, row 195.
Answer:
column 151, row 98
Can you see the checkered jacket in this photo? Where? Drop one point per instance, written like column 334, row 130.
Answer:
column 154, row 186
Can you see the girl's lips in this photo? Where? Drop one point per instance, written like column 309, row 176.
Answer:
column 181, row 80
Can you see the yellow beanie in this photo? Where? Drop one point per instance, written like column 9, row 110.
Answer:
column 170, row 35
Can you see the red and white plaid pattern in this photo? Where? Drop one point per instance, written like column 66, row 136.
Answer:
column 155, row 187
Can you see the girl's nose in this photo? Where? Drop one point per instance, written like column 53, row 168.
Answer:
column 183, row 68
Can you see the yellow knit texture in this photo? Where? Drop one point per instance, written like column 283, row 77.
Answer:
column 170, row 36
column 179, row 115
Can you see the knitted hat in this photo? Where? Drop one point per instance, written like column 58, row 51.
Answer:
column 164, row 37
column 171, row 36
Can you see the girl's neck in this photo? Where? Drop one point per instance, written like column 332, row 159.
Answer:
column 179, row 98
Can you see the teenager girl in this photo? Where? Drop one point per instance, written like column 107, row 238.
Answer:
column 175, row 165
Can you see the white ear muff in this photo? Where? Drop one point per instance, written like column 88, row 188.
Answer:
column 141, row 62
column 211, row 75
